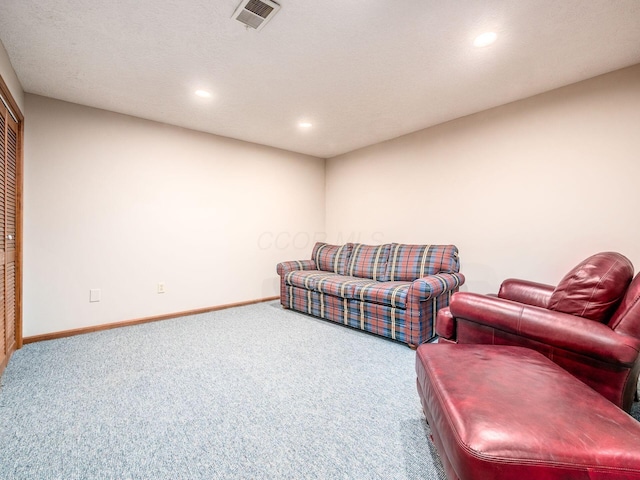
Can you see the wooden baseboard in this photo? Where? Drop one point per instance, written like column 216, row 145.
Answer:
column 108, row 326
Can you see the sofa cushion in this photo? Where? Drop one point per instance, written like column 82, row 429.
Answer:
column 337, row 285
column 331, row 258
column 307, row 279
column 594, row 287
column 324, row 282
column 393, row 294
column 409, row 262
column 369, row 261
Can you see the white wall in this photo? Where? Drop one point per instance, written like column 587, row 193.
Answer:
column 10, row 79
column 525, row 190
column 119, row 204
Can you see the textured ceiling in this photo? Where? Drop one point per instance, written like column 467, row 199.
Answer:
column 362, row 71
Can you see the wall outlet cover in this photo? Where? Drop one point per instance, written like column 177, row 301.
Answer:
column 94, row 295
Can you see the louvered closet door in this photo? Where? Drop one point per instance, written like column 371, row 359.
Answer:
column 8, row 226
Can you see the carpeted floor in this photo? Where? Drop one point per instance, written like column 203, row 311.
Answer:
column 253, row 392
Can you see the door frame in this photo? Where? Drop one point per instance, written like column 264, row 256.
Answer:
column 15, row 110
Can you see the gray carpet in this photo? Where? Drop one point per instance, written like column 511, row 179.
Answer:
column 253, row 392
column 246, row 393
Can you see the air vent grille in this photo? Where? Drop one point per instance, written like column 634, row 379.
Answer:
column 255, row 13
column 249, row 19
column 259, row 8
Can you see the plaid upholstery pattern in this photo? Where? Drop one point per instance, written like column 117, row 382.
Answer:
column 413, row 325
column 305, row 278
column 434, row 285
column 379, row 319
column 331, row 258
column 318, row 304
column 408, row 262
column 369, row 261
column 421, row 318
column 393, row 294
column 324, row 282
column 401, row 310
column 338, row 285
column 285, row 267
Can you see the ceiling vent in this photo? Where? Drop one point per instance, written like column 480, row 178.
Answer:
column 255, row 13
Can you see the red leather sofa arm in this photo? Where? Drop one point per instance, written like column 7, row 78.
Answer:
column 446, row 324
column 560, row 330
column 523, row 291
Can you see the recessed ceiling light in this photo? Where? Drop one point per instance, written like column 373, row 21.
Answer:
column 485, row 39
column 305, row 125
column 203, row 93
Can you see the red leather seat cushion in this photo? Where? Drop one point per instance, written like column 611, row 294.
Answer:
column 594, row 287
column 503, row 412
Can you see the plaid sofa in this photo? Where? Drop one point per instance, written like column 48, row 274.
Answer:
column 393, row 290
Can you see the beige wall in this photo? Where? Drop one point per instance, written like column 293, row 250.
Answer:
column 525, row 190
column 119, row 204
column 9, row 76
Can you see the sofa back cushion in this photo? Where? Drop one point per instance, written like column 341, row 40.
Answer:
column 593, row 288
column 331, row 258
column 409, row 262
column 369, row 261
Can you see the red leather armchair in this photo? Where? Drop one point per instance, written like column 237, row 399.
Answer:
column 589, row 324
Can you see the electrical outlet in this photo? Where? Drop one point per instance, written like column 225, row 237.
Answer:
column 161, row 287
column 94, row 295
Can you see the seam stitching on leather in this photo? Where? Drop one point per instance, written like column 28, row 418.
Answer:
column 595, row 288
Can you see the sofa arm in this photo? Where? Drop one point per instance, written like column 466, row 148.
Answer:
column 523, row 291
column 445, row 324
column 432, row 286
column 285, row 267
column 559, row 330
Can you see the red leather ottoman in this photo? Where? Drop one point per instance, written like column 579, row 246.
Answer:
column 509, row 413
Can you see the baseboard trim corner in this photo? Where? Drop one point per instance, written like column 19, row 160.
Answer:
column 138, row 321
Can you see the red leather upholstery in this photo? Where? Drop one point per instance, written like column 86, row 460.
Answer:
column 605, row 356
column 522, row 291
column 509, row 413
column 594, row 287
column 445, row 324
column 626, row 319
